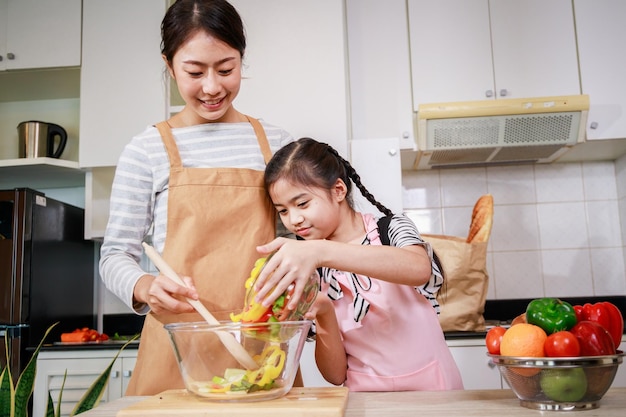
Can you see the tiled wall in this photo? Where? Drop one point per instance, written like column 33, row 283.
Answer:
column 556, row 231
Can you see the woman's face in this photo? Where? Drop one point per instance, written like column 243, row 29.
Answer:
column 208, row 74
column 311, row 213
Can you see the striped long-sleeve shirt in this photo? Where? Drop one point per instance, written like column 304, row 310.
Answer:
column 138, row 205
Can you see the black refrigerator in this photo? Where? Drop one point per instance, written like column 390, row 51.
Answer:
column 47, row 271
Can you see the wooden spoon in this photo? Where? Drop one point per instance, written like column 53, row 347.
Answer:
column 229, row 341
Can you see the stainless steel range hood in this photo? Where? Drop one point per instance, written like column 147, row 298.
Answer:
column 503, row 131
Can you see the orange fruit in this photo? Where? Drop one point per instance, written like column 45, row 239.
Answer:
column 519, row 319
column 524, row 339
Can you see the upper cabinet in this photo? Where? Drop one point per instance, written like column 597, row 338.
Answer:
column 295, row 70
column 601, row 38
column 380, row 70
column 39, row 34
column 122, row 86
column 484, row 49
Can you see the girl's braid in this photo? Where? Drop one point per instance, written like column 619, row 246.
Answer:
column 356, row 179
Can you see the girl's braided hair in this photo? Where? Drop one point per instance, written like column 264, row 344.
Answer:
column 316, row 164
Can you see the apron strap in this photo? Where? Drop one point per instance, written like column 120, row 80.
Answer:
column 261, row 138
column 170, row 145
column 174, row 155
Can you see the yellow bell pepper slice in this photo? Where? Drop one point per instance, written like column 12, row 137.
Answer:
column 255, row 310
column 272, row 360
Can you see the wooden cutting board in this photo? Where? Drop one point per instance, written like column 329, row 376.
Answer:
column 313, row 402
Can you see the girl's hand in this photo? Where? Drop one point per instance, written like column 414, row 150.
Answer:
column 292, row 262
column 163, row 295
column 321, row 310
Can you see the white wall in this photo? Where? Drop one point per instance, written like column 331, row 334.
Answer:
column 557, row 228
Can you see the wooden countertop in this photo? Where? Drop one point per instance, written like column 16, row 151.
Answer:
column 484, row 403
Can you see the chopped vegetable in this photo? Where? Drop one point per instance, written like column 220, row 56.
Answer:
column 83, row 335
column 271, row 361
column 255, row 312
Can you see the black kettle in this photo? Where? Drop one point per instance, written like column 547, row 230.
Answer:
column 41, row 139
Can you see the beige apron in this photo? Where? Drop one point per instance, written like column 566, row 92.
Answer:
column 216, row 218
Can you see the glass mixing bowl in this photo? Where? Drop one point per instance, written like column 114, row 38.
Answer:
column 211, row 372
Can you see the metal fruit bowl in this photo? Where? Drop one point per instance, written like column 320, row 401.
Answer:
column 572, row 383
column 211, row 372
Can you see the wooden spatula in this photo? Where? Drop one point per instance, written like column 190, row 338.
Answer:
column 229, row 341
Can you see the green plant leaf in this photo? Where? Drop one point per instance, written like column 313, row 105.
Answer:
column 92, row 397
column 50, row 407
column 6, row 393
column 24, row 387
column 58, row 412
column 7, row 390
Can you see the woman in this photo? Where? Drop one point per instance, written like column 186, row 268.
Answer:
column 194, row 185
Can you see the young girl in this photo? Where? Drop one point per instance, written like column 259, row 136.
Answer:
column 193, row 185
column 375, row 331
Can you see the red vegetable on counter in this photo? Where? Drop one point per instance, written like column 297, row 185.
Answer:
column 606, row 314
column 83, row 335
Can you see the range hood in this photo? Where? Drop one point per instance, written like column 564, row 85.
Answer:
column 499, row 132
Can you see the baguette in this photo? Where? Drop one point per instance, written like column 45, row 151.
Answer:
column 482, row 220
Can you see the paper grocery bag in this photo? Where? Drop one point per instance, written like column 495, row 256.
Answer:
column 462, row 298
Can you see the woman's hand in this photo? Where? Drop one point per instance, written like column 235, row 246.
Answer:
column 292, row 262
column 163, row 295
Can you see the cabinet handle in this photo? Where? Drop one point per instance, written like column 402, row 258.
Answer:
column 405, row 135
column 491, row 365
column 393, row 151
column 11, row 55
column 1, row 58
column 115, row 374
column 128, row 373
column 593, row 125
column 503, row 92
column 489, row 93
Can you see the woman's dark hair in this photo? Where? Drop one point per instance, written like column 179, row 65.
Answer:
column 184, row 18
column 312, row 163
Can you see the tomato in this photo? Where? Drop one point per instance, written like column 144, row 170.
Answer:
column 493, row 339
column 562, row 344
column 594, row 339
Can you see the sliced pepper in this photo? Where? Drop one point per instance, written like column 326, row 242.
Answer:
column 253, row 311
column 606, row 314
column 273, row 360
column 551, row 314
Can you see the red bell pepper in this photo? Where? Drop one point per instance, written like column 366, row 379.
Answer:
column 593, row 338
column 606, row 314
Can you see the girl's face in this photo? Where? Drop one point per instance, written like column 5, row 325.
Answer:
column 208, row 74
column 311, row 213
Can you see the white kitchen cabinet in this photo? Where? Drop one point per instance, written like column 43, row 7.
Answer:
column 83, row 368
column 36, row 34
column 377, row 161
column 380, row 71
column 474, row 365
column 98, row 183
column 485, row 49
column 295, row 70
column 601, row 37
column 122, row 86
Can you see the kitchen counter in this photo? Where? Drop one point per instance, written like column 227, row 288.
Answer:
column 484, row 403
